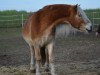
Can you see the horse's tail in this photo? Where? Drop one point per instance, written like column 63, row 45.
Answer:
column 43, row 55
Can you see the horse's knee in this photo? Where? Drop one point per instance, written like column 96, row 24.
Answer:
column 38, row 58
column 51, row 60
column 37, row 54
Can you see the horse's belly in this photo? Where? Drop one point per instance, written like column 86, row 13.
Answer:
column 43, row 40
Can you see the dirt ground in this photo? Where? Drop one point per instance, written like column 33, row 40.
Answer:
column 75, row 55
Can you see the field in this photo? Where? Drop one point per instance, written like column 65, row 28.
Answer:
column 76, row 55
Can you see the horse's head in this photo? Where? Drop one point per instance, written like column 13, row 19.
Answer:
column 79, row 20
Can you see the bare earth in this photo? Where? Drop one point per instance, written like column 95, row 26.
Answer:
column 75, row 55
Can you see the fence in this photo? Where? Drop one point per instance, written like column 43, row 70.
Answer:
column 96, row 19
column 12, row 21
column 18, row 20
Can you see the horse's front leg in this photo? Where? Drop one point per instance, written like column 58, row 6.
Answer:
column 38, row 59
column 51, row 58
column 32, row 62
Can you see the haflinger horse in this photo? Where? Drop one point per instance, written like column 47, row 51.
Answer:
column 44, row 26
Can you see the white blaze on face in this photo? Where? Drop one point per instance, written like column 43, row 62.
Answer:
column 88, row 23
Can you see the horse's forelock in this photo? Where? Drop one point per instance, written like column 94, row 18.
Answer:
column 83, row 14
column 86, row 22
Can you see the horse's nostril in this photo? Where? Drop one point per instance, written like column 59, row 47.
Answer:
column 89, row 30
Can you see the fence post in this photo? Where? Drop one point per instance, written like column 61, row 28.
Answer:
column 22, row 19
column 93, row 19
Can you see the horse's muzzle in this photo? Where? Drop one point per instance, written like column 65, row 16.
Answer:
column 89, row 30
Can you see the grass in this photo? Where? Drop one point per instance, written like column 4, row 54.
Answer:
column 24, row 70
column 12, row 18
column 20, row 70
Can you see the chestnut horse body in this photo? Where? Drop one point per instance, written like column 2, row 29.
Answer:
column 44, row 26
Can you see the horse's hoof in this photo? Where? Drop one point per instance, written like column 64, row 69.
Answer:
column 33, row 71
column 53, row 74
column 38, row 74
column 47, row 70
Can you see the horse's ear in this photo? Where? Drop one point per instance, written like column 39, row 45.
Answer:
column 75, row 7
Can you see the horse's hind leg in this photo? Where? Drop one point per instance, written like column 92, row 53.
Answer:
column 51, row 58
column 38, row 59
column 32, row 62
column 47, row 60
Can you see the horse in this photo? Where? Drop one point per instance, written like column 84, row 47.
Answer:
column 97, row 31
column 45, row 25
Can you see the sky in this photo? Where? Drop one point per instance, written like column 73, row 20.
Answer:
column 34, row 5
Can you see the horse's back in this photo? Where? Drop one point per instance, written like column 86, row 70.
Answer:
column 41, row 20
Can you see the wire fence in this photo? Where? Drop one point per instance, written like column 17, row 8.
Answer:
column 96, row 19
column 15, row 21
column 12, row 21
